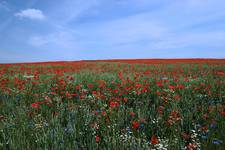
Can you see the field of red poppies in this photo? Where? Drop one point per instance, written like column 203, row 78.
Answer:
column 113, row 104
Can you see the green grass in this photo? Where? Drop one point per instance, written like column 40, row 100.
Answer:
column 72, row 114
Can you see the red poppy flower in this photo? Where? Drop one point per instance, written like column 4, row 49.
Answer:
column 132, row 114
column 135, row 125
column 35, row 105
column 125, row 99
column 68, row 95
column 120, row 74
column 191, row 146
column 115, row 91
column 154, row 140
column 160, row 109
column 185, row 136
column 180, row 86
column 222, row 113
column 94, row 92
column 171, row 87
column 97, row 138
column 113, row 104
column 74, row 94
column 104, row 113
column 159, row 84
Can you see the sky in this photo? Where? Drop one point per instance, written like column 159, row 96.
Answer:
column 65, row 30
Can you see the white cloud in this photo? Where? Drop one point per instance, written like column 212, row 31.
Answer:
column 34, row 14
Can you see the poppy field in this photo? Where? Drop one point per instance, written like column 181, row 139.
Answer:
column 115, row 104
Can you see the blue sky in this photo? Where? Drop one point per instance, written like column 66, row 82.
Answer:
column 49, row 30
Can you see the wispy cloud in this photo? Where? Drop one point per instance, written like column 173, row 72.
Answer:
column 4, row 5
column 146, row 32
column 129, row 29
column 31, row 13
column 61, row 39
column 66, row 11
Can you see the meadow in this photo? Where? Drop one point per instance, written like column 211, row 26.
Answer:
column 123, row 104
